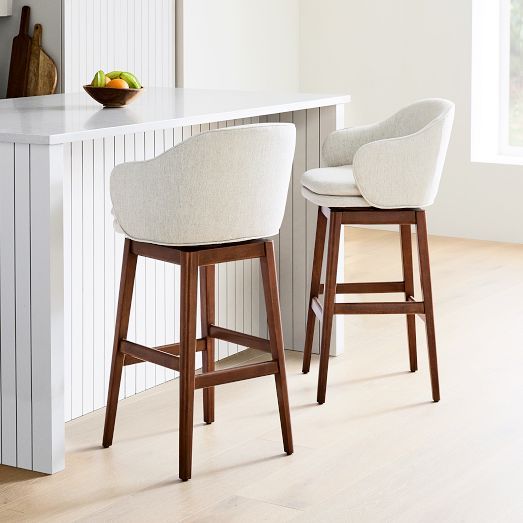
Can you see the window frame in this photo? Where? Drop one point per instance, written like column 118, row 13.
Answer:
column 505, row 148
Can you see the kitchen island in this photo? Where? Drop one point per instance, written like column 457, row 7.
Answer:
column 60, row 258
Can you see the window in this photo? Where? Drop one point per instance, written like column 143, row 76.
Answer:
column 511, row 60
column 497, row 81
column 516, row 74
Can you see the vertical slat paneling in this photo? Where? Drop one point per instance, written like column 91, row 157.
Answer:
column 67, row 281
column 87, row 276
column 67, row 65
column 299, row 238
column 76, row 281
column 24, row 418
column 131, row 35
column 85, row 72
column 99, row 360
column 7, row 304
column 89, row 49
column 108, row 261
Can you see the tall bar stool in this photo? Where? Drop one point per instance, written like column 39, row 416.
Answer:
column 378, row 174
column 211, row 199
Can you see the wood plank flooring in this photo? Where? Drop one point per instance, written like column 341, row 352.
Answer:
column 378, row 450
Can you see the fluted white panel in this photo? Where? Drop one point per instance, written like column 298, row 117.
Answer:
column 128, row 35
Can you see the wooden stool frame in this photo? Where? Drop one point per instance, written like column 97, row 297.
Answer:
column 181, row 356
column 336, row 217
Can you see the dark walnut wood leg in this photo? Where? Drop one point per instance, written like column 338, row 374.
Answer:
column 423, row 247
column 208, row 311
column 329, row 301
column 188, row 298
column 319, row 247
column 272, row 303
column 120, row 332
column 408, row 277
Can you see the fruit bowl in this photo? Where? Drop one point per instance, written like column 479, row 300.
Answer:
column 112, row 97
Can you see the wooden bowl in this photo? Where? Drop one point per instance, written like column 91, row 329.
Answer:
column 111, row 97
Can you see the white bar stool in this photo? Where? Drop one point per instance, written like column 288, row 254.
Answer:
column 211, row 199
column 378, row 174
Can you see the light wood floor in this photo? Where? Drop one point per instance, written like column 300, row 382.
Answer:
column 378, row 450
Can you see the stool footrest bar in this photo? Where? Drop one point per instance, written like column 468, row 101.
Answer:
column 134, row 351
column 172, row 348
column 246, row 340
column 380, row 308
column 368, row 287
column 244, row 372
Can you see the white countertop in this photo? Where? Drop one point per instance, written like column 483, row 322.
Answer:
column 63, row 118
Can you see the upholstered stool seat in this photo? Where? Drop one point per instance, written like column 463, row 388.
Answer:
column 214, row 198
column 380, row 174
column 333, row 181
column 332, row 187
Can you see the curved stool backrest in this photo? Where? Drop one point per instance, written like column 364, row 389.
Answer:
column 220, row 186
column 397, row 162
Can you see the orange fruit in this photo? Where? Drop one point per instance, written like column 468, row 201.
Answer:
column 118, row 83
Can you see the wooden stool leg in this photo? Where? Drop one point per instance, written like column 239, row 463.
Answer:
column 272, row 303
column 329, row 301
column 319, row 247
column 426, row 286
column 188, row 294
column 408, row 278
column 208, row 311
column 120, row 332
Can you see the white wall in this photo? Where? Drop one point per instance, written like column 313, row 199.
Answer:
column 241, row 44
column 387, row 54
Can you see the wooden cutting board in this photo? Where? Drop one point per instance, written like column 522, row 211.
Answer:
column 42, row 75
column 20, row 53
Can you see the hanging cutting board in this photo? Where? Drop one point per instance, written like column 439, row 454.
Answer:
column 20, row 53
column 42, row 74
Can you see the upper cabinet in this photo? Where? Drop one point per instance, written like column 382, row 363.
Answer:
column 6, row 7
column 125, row 35
column 83, row 36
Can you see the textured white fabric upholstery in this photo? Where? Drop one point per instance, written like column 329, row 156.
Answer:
column 338, row 181
column 396, row 163
column 220, row 186
column 326, row 200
